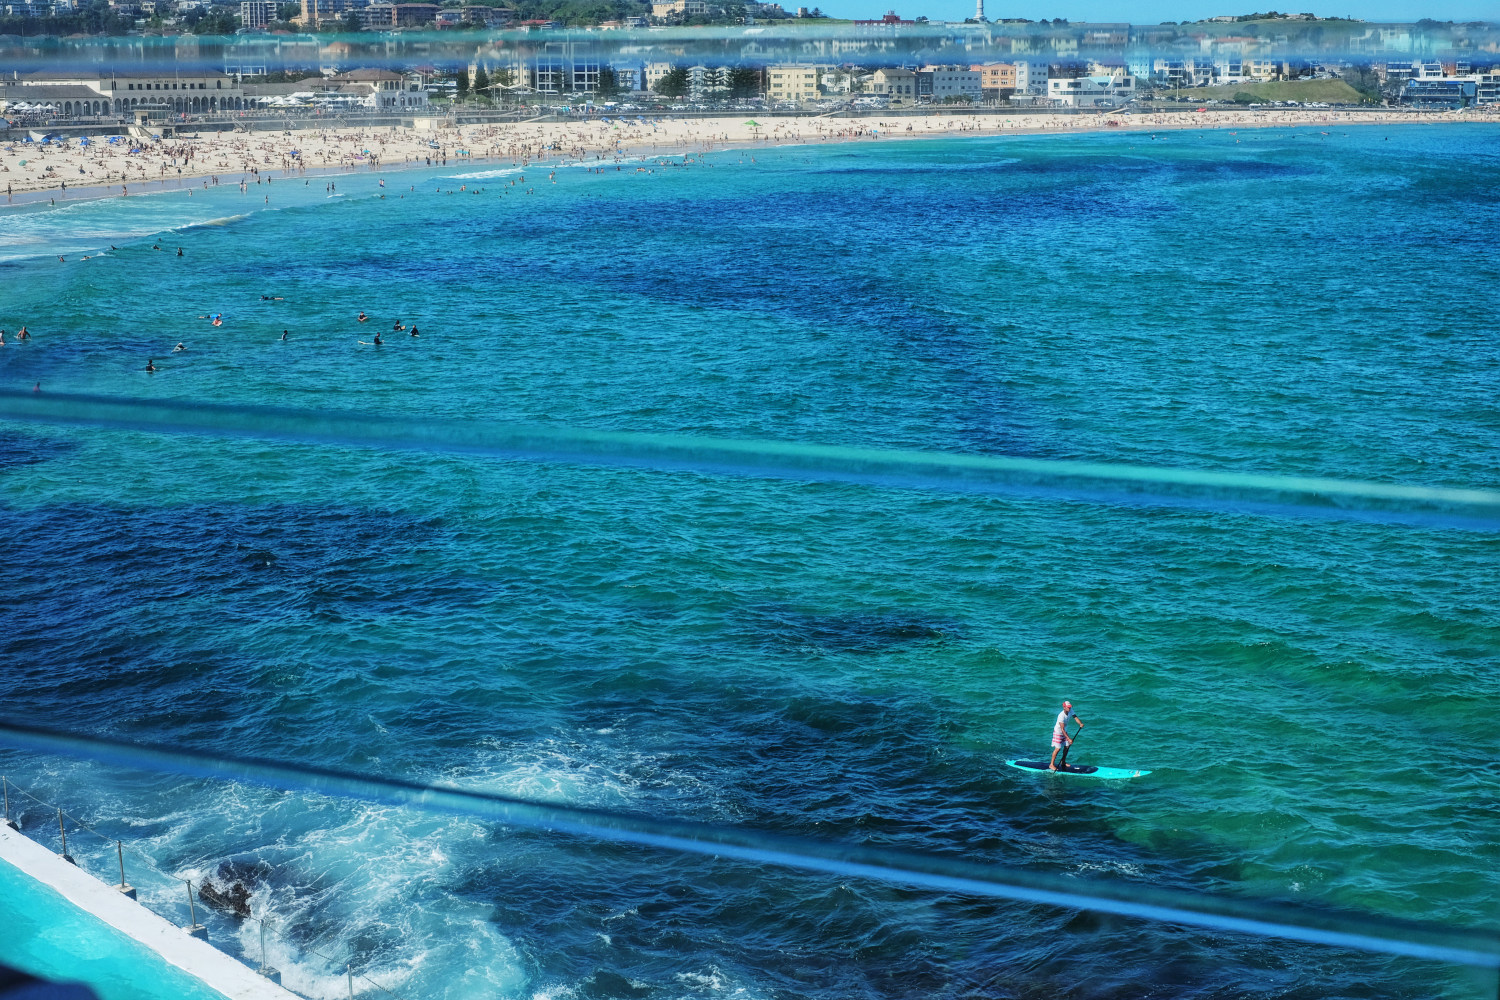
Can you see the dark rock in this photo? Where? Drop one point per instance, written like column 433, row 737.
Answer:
column 233, row 898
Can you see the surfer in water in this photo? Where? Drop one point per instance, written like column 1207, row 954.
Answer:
column 1060, row 738
column 362, row 317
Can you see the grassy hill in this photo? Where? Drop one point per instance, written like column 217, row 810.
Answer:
column 1329, row 91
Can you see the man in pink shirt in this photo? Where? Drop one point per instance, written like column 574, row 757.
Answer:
column 1060, row 738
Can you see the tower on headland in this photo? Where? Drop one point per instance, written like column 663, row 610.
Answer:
column 979, row 10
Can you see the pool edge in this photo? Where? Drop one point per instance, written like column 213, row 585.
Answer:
column 198, row 959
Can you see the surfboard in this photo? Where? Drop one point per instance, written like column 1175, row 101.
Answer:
column 1079, row 770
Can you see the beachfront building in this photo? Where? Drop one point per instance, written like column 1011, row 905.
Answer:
column 1031, row 76
column 195, row 92
column 257, row 14
column 1451, row 91
column 792, row 83
column 1092, row 91
column 1440, row 93
column 949, row 83
column 654, row 73
column 65, row 100
column 899, row 85
column 381, row 89
column 996, row 80
column 629, row 74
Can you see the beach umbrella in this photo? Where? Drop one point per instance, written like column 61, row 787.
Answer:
column 84, row 141
column 753, row 124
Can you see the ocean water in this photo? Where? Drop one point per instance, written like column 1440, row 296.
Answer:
column 1315, row 698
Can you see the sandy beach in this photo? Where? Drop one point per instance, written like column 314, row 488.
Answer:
column 30, row 172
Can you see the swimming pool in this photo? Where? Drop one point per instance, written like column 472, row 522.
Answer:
column 49, row 937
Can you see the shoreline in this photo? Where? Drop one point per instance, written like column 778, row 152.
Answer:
column 207, row 160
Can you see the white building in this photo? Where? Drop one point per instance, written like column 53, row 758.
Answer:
column 382, row 89
column 1031, row 76
column 1092, row 91
column 951, row 83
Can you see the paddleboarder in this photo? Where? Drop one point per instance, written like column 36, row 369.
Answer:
column 1060, row 738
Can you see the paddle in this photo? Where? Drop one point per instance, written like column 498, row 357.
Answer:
column 1079, row 733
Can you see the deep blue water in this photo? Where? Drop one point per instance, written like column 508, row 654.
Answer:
column 846, row 662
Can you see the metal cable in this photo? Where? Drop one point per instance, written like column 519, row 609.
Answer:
column 1094, row 482
column 151, row 864
column 1434, row 942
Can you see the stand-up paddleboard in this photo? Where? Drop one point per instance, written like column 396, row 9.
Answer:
column 1082, row 771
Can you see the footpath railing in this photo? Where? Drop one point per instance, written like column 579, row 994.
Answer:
column 193, row 927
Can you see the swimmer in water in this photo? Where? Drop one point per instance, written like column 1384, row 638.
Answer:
column 179, row 251
column 150, row 365
column 283, row 334
column 362, row 316
column 23, row 334
column 179, row 347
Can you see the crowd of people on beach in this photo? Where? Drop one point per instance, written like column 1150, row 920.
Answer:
column 131, row 164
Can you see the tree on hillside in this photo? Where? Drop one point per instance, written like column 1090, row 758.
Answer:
column 217, row 23
column 744, row 81
column 609, row 82
column 1364, row 79
column 674, row 84
column 481, row 82
column 715, row 83
column 461, row 78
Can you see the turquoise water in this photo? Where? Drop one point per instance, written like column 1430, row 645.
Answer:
column 847, row 662
column 51, row 938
